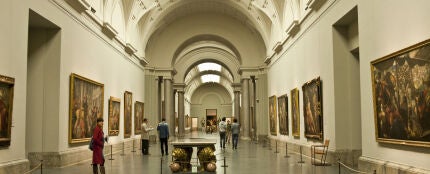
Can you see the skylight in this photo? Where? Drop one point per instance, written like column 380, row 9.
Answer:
column 210, row 78
column 209, row 66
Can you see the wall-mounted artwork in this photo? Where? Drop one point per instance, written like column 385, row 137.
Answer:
column 114, row 116
column 272, row 115
column 312, row 109
column 86, row 105
column 6, row 102
column 138, row 117
column 401, row 96
column 283, row 114
column 295, row 112
column 128, row 102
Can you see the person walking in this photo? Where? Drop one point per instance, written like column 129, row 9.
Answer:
column 228, row 135
column 222, row 129
column 145, row 136
column 235, row 130
column 98, row 145
column 163, row 134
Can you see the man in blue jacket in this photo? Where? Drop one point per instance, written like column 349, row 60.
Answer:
column 163, row 134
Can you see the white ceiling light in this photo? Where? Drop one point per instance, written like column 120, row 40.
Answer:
column 209, row 66
column 210, row 78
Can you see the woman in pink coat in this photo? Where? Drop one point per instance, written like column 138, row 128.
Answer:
column 98, row 145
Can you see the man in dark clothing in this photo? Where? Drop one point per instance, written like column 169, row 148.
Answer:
column 163, row 134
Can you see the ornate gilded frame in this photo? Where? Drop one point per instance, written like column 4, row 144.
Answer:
column 128, row 108
column 401, row 96
column 283, row 114
column 272, row 115
column 114, row 117
column 86, row 105
column 295, row 112
column 312, row 109
column 6, row 107
column 138, row 117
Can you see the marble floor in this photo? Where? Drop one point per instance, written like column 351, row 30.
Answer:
column 247, row 159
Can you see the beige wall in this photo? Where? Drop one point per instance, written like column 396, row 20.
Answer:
column 82, row 52
column 385, row 27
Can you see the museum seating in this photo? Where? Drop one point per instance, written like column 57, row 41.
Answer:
column 319, row 152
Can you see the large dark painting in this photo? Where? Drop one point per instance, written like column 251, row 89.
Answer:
column 138, row 117
column 6, row 102
column 312, row 109
column 283, row 114
column 128, row 102
column 272, row 115
column 401, row 96
column 295, row 112
column 86, row 105
column 114, row 115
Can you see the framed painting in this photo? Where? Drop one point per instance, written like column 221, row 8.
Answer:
column 6, row 103
column 283, row 114
column 114, row 116
column 295, row 113
column 272, row 115
column 86, row 105
column 312, row 109
column 138, row 117
column 128, row 102
column 401, row 96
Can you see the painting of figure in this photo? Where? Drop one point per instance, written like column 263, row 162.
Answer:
column 401, row 96
column 283, row 114
column 138, row 117
column 295, row 113
column 86, row 105
column 272, row 115
column 6, row 101
column 114, row 115
column 128, row 102
column 312, row 109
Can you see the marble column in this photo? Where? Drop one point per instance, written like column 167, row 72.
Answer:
column 168, row 105
column 181, row 112
column 237, row 105
column 251, row 109
column 245, row 109
column 159, row 88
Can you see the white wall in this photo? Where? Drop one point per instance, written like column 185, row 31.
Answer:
column 387, row 26
column 82, row 52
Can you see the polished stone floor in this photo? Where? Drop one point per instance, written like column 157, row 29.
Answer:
column 248, row 158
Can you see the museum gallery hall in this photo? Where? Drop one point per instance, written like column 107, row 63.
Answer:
column 230, row 86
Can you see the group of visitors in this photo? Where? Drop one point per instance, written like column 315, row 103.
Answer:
column 98, row 139
column 227, row 129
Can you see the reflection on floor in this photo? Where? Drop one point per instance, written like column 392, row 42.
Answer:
column 247, row 159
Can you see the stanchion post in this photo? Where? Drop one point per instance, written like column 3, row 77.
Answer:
column 111, row 152
column 224, row 165
column 301, row 156
column 270, row 144
column 41, row 166
column 276, row 146
column 161, row 165
column 338, row 162
column 286, row 150
column 133, row 147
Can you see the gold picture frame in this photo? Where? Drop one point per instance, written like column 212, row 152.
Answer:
column 312, row 109
column 283, row 114
column 401, row 96
column 138, row 117
column 128, row 102
column 272, row 115
column 86, row 105
column 114, row 116
column 295, row 113
column 6, row 106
